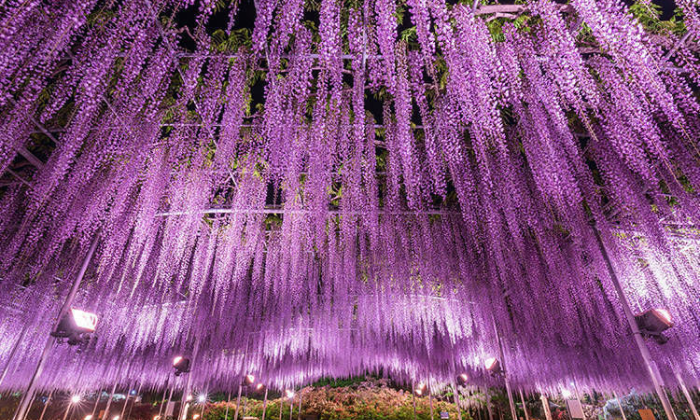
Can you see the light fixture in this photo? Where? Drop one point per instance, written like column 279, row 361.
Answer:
column 259, row 386
column 115, row 418
column 249, row 379
column 188, row 398
column 76, row 326
column 156, row 417
column 493, row 365
column 75, row 399
column 462, row 378
column 419, row 392
column 202, row 398
column 290, row 393
column 566, row 393
column 88, row 417
column 181, row 365
column 195, row 417
column 653, row 322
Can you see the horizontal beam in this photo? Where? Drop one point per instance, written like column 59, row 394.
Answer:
column 304, row 212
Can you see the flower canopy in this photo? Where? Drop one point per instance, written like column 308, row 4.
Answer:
column 304, row 189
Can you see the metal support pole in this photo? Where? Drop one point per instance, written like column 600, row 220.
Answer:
column 641, row 344
column 281, row 405
column 301, row 390
column 97, row 401
column 188, row 385
column 6, row 368
column 126, row 402
column 238, row 401
column 681, row 382
column 619, row 404
column 545, row 405
column 264, row 404
column 488, row 405
column 109, row 402
column 138, row 392
column 502, row 358
column 430, row 399
column 48, row 401
column 456, row 398
column 291, row 407
column 65, row 415
column 26, row 400
column 522, row 400
column 413, row 398
column 228, row 403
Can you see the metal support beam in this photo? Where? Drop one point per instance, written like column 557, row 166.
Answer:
column 688, row 398
column 25, row 402
column 652, row 370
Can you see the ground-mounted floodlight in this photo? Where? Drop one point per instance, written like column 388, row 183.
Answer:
column 75, row 399
column 181, row 365
column 566, row 393
column 462, row 378
column 88, row 417
column 493, row 366
column 259, row 386
column 653, row 322
column 202, row 398
column 420, row 388
column 76, row 326
column 289, row 393
column 249, row 379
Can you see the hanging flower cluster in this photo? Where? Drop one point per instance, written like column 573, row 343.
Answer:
column 347, row 195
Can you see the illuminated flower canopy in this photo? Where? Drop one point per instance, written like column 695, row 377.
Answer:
column 348, row 187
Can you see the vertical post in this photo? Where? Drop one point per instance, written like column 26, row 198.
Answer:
column 641, row 344
column 488, row 404
column 6, row 368
column 681, row 382
column 291, row 407
column 522, row 400
column 456, row 398
column 97, row 401
column 109, row 402
column 138, row 392
column 228, row 403
column 126, row 402
column 26, row 400
column 65, row 415
column 502, row 358
column 430, row 398
column 301, row 391
column 619, row 404
column 281, row 405
column 264, row 404
column 238, row 400
column 48, row 401
column 545, row 405
column 413, row 398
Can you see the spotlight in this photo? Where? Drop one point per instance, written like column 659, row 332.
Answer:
column 493, row 366
column 189, row 398
column 202, row 398
column 115, row 418
column 181, row 365
column 195, row 417
column 76, row 326
column 88, row 417
column 249, row 379
column 566, row 393
column 290, row 393
column 462, row 379
column 653, row 322
column 75, row 399
column 419, row 392
column 259, row 386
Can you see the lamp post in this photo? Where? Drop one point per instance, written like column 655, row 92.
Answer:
column 639, row 340
column 26, row 400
